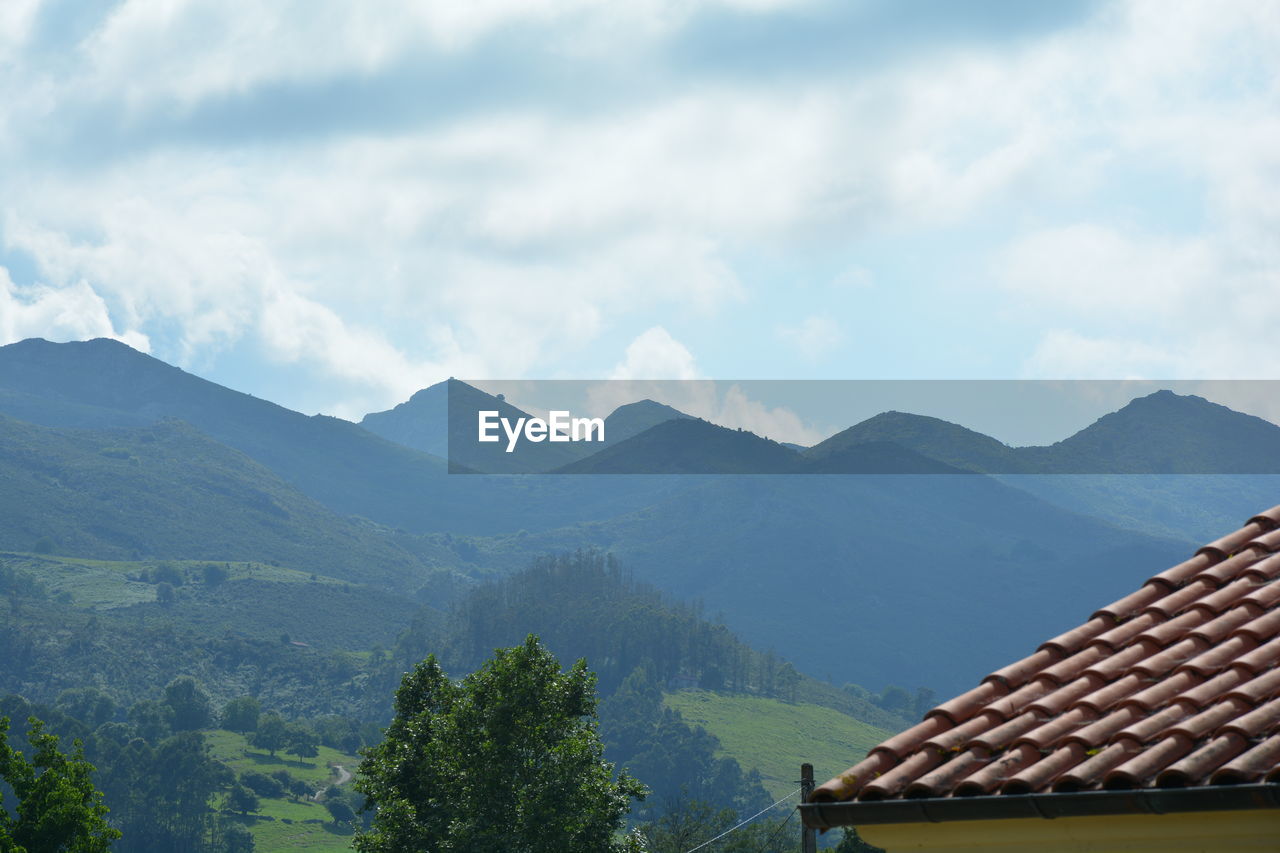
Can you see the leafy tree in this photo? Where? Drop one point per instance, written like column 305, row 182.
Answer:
column 302, row 740
column 272, row 733
column 241, row 799
column 214, row 575
column 153, row 721
column 232, row 837
column 688, row 823
column 340, row 811
column 508, row 759
column 241, row 714
column 87, row 704
column 165, row 594
column 189, row 703
column 262, row 784
column 57, row 806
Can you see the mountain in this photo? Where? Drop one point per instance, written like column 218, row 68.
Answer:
column 934, row 438
column 875, row 579
column 104, row 383
column 1161, row 433
column 1165, row 433
column 689, row 446
column 442, row 420
column 634, row 418
column 167, row 491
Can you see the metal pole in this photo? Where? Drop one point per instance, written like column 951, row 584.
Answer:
column 808, row 835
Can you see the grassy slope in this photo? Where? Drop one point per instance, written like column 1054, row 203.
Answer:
column 282, row 824
column 776, row 737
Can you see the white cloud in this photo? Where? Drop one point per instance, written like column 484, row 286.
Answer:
column 71, row 313
column 654, row 354
column 815, row 337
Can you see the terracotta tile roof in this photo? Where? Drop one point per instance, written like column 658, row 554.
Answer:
column 1173, row 686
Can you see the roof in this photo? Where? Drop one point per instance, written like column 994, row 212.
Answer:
column 1175, row 686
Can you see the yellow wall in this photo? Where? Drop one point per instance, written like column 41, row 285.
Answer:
column 1210, row 832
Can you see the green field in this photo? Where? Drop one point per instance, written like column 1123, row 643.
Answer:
column 282, row 825
column 776, row 737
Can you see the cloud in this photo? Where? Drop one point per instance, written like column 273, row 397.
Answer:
column 654, row 354
column 815, row 337
column 70, row 313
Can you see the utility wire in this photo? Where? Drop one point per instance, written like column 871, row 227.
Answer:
column 745, row 822
column 778, row 831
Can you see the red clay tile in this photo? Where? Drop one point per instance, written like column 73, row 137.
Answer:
column 1072, row 641
column 1270, row 516
column 1262, row 720
column 1113, row 667
column 850, row 782
column 1264, row 657
column 967, row 704
column 1176, row 655
column 1261, row 628
column 1098, row 733
column 1134, row 602
column 1127, row 630
column 996, row 772
column 1018, row 673
column 1069, row 668
column 1205, row 760
column 1163, row 691
column 1208, row 662
column 1102, row 700
column 1186, row 570
column 1218, row 686
column 1143, row 767
column 1086, row 774
column 1002, row 735
column 1256, row 690
column 1148, row 728
column 1264, row 758
column 1177, row 684
column 1052, row 731
column 890, row 783
column 1221, row 573
column 908, row 741
column 942, row 779
column 1232, row 542
column 1044, row 771
column 953, row 740
column 1175, row 602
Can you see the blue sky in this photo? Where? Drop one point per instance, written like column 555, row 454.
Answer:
column 332, row 205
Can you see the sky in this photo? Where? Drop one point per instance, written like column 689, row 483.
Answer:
column 332, row 205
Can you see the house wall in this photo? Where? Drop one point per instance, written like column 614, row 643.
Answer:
column 1210, row 832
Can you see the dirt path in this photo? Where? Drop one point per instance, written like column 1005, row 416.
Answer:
column 344, row 776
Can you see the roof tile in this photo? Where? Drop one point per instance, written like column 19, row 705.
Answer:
column 1174, row 685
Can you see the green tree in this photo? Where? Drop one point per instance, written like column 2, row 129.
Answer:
column 302, row 740
column 272, row 733
column 509, row 759
column 340, row 811
column 241, row 799
column 189, row 703
column 57, row 807
column 241, row 714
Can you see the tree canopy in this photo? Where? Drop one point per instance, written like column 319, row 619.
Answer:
column 508, row 759
column 57, row 807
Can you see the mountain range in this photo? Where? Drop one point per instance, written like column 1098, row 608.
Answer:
column 106, row 452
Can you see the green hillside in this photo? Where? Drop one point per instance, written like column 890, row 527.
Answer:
column 290, row 823
column 775, row 737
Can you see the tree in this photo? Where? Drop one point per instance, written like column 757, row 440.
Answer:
column 57, row 808
column 509, row 759
column 340, row 811
column 190, row 704
column 302, row 740
column 272, row 733
column 241, row 715
column 241, row 799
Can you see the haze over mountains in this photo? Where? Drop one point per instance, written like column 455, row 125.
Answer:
column 868, row 578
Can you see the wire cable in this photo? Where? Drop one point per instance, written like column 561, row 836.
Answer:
column 745, row 822
column 778, row 831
